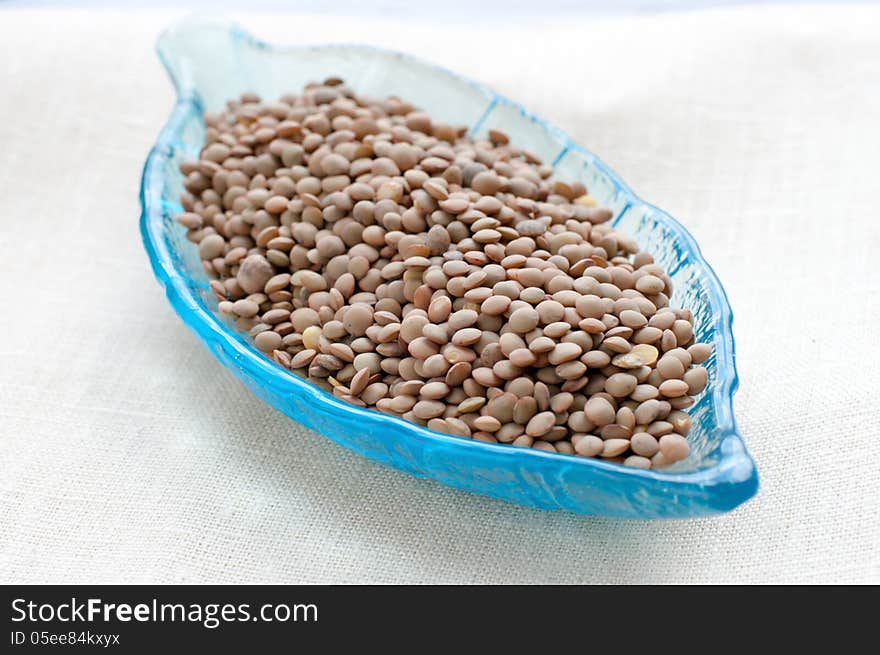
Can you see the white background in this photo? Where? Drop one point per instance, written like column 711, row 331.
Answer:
column 127, row 454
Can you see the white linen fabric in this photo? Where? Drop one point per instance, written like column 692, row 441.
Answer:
column 128, row 454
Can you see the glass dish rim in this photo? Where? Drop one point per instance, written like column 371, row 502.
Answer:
column 734, row 471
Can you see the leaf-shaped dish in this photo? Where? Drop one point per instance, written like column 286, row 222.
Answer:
column 210, row 61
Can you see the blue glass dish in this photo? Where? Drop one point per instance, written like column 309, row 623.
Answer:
column 211, row 60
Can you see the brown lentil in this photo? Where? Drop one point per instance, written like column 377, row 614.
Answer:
column 445, row 279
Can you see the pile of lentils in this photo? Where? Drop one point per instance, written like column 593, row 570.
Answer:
column 404, row 266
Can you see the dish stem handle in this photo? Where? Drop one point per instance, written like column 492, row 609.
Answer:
column 198, row 52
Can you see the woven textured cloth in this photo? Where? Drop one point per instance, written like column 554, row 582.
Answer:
column 128, row 454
